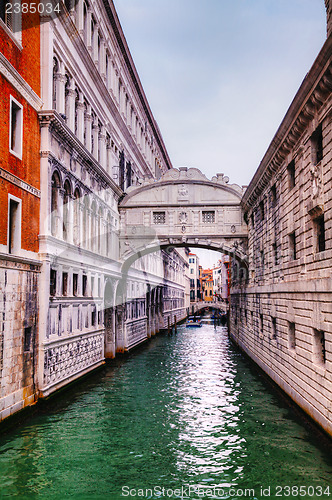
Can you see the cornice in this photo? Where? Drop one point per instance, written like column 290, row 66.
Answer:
column 99, row 84
column 52, row 118
column 115, row 23
column 313, row 92
column 14, row 77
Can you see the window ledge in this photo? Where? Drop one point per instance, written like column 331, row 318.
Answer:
column 11, row 35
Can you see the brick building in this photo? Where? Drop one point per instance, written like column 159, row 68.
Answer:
column 19, row 200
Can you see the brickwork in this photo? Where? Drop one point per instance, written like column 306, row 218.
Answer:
column 18, row 335
column 19, row 181
column 282, row 314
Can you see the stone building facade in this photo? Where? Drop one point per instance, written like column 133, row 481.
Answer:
column 20, row 200
column 98, row 138
column 281, row 309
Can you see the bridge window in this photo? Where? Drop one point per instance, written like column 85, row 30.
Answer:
column 159, row 217
column 274, row 328
column 208, row 217
column 291, row 336
column 261, row 207
column 291, row 174
column 319, row 347
column 317, row 145
column 274, row 195
column 292, row 246
column 319, row 225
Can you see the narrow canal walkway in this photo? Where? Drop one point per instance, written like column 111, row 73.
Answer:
column 187, row 410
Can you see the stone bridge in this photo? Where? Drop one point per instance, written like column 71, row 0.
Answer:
column 183, row 208
column 197, row 306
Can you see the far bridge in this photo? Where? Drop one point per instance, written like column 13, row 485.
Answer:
column 198, row 306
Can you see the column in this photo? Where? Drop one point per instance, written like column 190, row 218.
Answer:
column 102, row 148
column 88, row 128
column 102, row 62
column 80, row 17
column 70, row 105
column 60, row 80
column 89, row 32
column 95, row 133
column 80, row 117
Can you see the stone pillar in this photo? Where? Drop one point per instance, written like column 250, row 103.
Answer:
column 88, row 128
column 102, row 147
column 95, row 46
column 80, row 117
column 102, row 61
column 70, row 105
column 60, row 80
column 88, row 31
column 95, row 133
column 109, row 158
column 80, row 18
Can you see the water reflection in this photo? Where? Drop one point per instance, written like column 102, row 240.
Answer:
column 188, row 409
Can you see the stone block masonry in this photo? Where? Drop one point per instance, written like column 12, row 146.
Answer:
column 281, row 312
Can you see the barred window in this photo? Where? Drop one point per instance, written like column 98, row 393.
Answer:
column 159, row 217
column 208, row 217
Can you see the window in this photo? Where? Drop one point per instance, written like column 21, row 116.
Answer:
column 319, row 347
column 75, row 284
column 191, row 271
column 291, row 336
column 274, row 328
column 317, row 145
column 12, row 17
column 15, row 128
column 84, row 285
column 273, row 195
column 27, row 339
column 291, row 174
column 14, row 224
column 275, row 253
column 261, row 325
column 208, row 217
column 292, row 246
column 261, row 208
column 64, row 283
column 53, row 282
column 319, row 226
column 93, row 317
column 92, row 286
column 159, row 217
column 192, row 283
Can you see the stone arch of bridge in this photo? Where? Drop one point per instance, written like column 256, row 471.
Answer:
column 183, row 209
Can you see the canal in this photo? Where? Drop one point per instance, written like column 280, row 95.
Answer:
column 185, row 417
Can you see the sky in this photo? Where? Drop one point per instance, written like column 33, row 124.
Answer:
column 220, row 75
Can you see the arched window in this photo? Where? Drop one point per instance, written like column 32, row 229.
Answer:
column 108, row 234
column 66, row 208
column 77, row 98
column 77, row 196
column 67, row 101
column 94, row 227
column 85, row 226
column 85, row 23
column 55, row 203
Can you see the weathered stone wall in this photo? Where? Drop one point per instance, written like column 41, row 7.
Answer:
column 282, row 315
column 18, row 334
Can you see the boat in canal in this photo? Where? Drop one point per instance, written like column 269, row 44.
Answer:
column 193, row 322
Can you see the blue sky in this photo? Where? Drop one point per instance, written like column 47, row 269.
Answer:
column 220, row 74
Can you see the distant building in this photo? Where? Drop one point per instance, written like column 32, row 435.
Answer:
column 195, row 289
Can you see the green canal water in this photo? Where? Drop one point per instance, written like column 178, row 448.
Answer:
column 185, row 417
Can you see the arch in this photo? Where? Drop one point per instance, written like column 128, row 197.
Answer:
column 66, row 209
column 76, row 216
